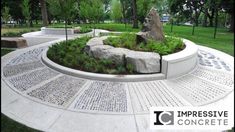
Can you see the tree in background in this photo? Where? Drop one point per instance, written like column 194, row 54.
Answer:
column 15, row 9
column 36, row 11
column 144, row 6
column 91, row 10
column 5, row 14
column 26, row 11
column 63, row 9
column 116, row 10
column 228, row 6
column 44, row 12
column 134, row 13
column 126, row 10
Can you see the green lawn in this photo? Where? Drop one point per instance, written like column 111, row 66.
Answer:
column 224, row 40
column 5, row 51
column 9, row 125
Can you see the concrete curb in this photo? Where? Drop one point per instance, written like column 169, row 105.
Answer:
column 101, row 77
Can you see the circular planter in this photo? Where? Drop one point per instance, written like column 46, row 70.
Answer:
column 172, row 65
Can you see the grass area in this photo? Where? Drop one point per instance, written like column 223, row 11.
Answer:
column 224, row 40
column 5, row 51
column 9, row 125
column 18, row 31
column 72, row 54
column 128, row 40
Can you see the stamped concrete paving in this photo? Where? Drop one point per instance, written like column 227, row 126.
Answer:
column 48, row 100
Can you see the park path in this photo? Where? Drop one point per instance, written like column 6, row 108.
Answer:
column 42, row 98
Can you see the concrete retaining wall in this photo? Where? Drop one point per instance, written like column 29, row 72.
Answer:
column 57, row 31
column 180, row 63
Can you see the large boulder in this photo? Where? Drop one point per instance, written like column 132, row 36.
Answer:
column 108, row 52
column 144, row 62
column 94, row 42
column 99, row 51
column 117, row 55
column 152, row 28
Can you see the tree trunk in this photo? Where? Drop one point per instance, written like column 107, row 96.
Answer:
column 211, row 22
column 49, row 19
column 31, row 23
column 123, row 13
column 196, row 18
column 66, row 33
column 232, row 23
column 216, row 22
column 69, row 22
column 211, row 18
column 204, row 24
column 134, row 11
column 44, row 12
column 171, row 25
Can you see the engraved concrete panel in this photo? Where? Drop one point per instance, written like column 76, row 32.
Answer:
column 215, row 76
column 196, row 90
column 26, row 81
column 58, row 91
column 11, row 70
column 155, row 93
column 103, row 96
column 208, row 59
column 29, row 56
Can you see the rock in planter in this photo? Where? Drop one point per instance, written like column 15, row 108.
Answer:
column 108, row 52
column 99, row 51
column 144, row 62
column 152, row 28
column 117, row 54
column 94, row 42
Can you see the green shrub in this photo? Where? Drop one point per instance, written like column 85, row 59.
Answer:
column 85, row 30
column 130, row 68
column 71, row 54
column 125, row 40
column 128, row 40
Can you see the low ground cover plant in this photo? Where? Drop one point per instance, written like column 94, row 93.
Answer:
column 128, row 40
column 71, row 54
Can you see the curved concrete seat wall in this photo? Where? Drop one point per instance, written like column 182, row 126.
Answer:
column 180, row 63
column 173, row 65
column 57, row 31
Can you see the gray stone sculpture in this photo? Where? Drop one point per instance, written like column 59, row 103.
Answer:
column 152, row 28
